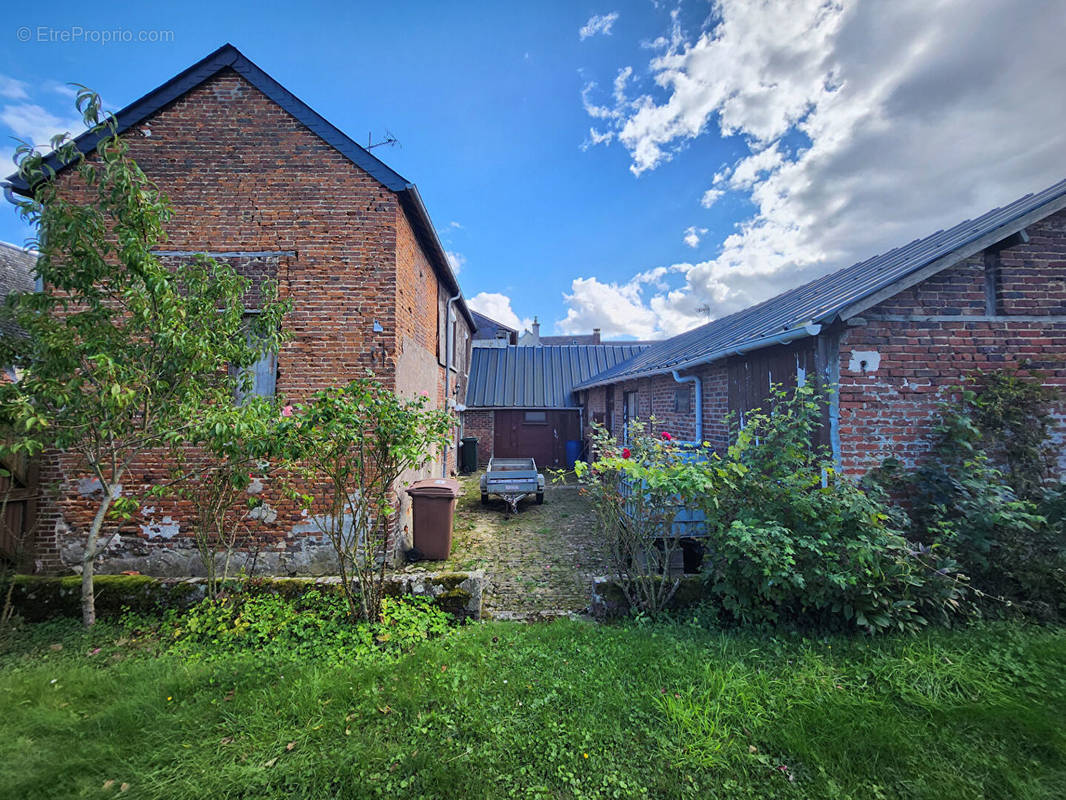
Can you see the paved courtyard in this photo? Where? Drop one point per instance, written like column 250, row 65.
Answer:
column 539, row 562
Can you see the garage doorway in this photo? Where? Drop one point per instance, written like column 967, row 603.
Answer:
column 537, row 433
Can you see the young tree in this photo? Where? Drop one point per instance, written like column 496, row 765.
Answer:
column 120, row 354
column 230, row 446
column 349, row 446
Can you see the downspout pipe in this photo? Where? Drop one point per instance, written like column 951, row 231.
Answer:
column 449, row 346
column 698, row 383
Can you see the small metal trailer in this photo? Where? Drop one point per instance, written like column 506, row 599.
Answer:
column 512, row 479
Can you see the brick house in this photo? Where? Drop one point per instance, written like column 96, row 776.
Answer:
column 893, row 333
column 258, row 179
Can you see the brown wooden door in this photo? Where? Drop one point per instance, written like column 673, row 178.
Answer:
column 540, row 434
column 18, row 503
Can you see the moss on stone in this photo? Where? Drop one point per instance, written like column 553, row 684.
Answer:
column 613, row 602
column 38, row 598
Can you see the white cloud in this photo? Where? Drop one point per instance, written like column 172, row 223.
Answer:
column 598, row 23
column 597, row 137
column 710, row 197
column 692, row 235
column 455, row 225
column 12, row 89
column 867, row 125
column 455, row 260
column 498, row 307
column 34, row 124
column 620, row 309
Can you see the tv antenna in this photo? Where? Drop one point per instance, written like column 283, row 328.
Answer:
column 388, row 140
column 704, row 309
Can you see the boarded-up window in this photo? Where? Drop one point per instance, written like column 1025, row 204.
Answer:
column 259, row 379
column 683, row 400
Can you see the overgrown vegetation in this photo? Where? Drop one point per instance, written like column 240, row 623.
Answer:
column 218, row 469
column 983, row 495
column 347, row 448
column 123, row 353
column 281, row 700
column 789, row 543
column 635, row 493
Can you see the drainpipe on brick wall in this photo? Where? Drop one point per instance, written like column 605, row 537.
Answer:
column 695, row 380
column 449, row 346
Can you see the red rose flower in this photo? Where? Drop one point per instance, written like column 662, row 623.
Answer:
column 667, row 437
column 625, row 452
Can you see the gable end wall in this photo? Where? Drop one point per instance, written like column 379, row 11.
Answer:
column 889, row 407
column 244, row 176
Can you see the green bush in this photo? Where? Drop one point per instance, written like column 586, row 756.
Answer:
column 792, row 542
column 789, row 541
column 1003, row 525
column 313, row 625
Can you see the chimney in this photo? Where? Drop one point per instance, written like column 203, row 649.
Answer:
column 595, row 335
column 536, row 331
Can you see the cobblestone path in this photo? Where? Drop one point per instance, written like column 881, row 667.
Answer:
column 539, row 562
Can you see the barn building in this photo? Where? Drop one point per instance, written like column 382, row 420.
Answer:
column 520, row 400
column 258, row 179
column 893, row 334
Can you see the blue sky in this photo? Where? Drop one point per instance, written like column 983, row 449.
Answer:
column 742, row 147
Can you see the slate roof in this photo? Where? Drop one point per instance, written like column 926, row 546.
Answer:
column 836, row 296
column 16, row 269
column 486, row 327
column 229, row 57
column 536, row 377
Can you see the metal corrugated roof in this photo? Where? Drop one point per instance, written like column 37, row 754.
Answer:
column 825, row 299
column 537, row 377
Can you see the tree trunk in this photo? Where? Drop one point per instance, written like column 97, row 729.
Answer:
column 88, row 597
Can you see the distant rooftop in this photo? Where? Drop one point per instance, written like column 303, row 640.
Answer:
column 537, row 377
column 16, row 269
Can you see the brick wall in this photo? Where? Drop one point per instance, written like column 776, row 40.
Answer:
column 888, row 405
column 480, row 423
column 1005, row 308
column 244, row 176
column 658, row 395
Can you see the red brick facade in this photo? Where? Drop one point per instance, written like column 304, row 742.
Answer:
column 660, row 396
column 927, row 339
column 245, row 177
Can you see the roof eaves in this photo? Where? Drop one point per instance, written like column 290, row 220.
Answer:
column 416, row 211
column 784, row 337
column 969, row 248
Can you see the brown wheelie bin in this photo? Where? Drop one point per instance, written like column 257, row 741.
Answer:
column 433, row 508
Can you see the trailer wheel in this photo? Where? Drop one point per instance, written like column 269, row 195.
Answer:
column 484, row 499
column 540, row 498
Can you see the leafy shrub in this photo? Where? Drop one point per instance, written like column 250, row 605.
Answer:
column 789, row 541
column 350, row 445
column 636, row 492
column 1003, row 525
column 792, row 542
column 314, row 625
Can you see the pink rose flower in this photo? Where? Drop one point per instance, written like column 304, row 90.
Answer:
column 667, row 437
column 287, row 411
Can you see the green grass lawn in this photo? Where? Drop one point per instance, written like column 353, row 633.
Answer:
column 559, row 710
